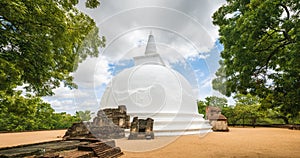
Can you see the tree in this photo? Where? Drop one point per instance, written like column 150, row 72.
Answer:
column 42, row 42
column 211, row 101
column 246, row 99
column 261, row 51
column 248, row 106
column 201, row 107
column 216, row 101
column 231, row 114
column 64, row 120
column 83, row 115
column 19, row 113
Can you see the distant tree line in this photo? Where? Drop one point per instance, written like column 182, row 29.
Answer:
column 248, row 110
column 20, row 113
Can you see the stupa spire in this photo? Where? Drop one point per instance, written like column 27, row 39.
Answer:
column 151, row 56
column 151, row 46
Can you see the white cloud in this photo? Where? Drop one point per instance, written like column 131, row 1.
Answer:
column 123, row 23
column 182, row 29
column 92, row 72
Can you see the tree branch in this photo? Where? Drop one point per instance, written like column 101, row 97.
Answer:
column 286, row 10
column 257, row 71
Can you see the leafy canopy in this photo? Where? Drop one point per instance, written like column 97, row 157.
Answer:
column 261, row 51
column 211, row 101
column 42, row 42
column 216, row 101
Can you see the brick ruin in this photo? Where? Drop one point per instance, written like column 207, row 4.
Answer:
column 141, row 129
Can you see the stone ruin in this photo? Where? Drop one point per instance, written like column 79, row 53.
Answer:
column 108, row 124
column 107, row 117
column 216, row 119
column 111, row 124
column 78, row 130
column 141, row 129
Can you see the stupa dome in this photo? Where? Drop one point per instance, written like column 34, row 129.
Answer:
column 151, row 89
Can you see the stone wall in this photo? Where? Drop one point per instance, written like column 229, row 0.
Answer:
column 107, row 132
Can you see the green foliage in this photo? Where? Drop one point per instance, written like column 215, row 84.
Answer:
column 250, row 110
column 64, row 120
column 201, row 107
column 261, row 52
column 216, row 101
column 92, row 3
column 19, row 113
column 211, row 101
column 83, row 115
column 247, row 110
column 42, row 42
column 231, row 113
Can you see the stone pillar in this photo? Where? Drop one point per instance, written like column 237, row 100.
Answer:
column 149, row 129
column 149, row 126
column 134, row 128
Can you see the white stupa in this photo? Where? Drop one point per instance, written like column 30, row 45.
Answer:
column 151, row 89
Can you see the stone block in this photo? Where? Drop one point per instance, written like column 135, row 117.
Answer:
column 141, row 129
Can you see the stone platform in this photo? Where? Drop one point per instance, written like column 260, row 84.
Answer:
column 75, row 148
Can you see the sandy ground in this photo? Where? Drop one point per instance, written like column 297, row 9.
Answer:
column 21, row 138
column 239, row 142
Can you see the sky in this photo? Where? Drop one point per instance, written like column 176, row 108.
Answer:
column 185, row 37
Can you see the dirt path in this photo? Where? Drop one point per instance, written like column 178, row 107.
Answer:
column 20, row 138
column 239, row 142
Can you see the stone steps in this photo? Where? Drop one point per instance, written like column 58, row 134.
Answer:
column 106, row 149
column 109, row 153
column 78, row 154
